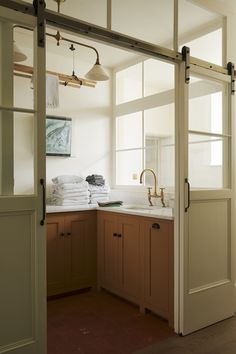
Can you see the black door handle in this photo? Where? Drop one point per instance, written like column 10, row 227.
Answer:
column 188, row 205
column 115, row 234
column 156, row 226
column 44, row 202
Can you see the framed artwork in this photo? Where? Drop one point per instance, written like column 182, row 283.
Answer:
column 58, row 136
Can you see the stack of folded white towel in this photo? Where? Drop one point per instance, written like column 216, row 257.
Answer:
column 69, row 190
column 99, row 193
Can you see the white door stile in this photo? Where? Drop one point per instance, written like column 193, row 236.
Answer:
column 180, row 173
column 22, row 238
column 40, row 174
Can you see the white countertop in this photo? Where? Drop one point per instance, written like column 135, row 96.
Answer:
column 140, row 210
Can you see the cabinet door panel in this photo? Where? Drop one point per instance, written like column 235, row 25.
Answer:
column 130, row 256
column 157, row 267
column 111, row 247
column 80, row 229
column 108, row 248
column 55, row 254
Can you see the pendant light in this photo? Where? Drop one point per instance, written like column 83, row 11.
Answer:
column 97, row 73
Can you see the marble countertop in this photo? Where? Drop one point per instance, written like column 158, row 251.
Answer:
column 139, row 210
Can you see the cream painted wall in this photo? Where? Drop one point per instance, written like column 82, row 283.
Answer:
column 90, row 110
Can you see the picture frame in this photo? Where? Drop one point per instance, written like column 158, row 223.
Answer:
column 58, row 136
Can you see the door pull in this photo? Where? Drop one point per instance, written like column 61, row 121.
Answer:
column 188, row 184
column 43, row 201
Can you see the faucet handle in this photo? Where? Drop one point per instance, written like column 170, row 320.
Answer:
column 149, row 190
column 162, row 197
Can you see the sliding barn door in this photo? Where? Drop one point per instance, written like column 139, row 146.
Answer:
column 22, row 166
column 207, row 282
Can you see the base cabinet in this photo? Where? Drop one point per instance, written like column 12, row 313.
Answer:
column 119, row 254
column 135, row 260
column 71, row 251
column 134, row 257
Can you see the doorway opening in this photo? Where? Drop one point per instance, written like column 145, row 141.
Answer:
column 143, row 127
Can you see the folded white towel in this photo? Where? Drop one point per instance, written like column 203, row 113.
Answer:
column 72, row 203
column 71, row 186
column 67, row 179
column 52, row 91
column 98, row 195
column 64, row 201
column 71, row 195
column 93, row 188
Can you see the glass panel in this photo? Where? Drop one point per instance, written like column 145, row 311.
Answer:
column 196, row 29
column 17, row 153
column 150, row 20
column 159, row 142
column 207, row 47
column 16, row 61
column 128, row 167
column 23, row 79
column 158, row 76
column 129, row 84
column 159, row 121
column 207, row 156
column 124, row 126
column 206, row 106
column 151, row 158
column 167, row 162
column 93, row 11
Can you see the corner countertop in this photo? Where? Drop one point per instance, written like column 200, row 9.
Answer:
column 139, row 210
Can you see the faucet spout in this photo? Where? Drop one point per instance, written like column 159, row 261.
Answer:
column 154, row 175
column 155, row 194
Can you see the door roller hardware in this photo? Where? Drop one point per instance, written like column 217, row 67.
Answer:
column 186, row 58
column 231, row 72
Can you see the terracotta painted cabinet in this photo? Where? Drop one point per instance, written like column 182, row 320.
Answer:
column 71, row 251
column 119, row 254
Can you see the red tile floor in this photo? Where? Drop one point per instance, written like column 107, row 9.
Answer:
column 100, row 323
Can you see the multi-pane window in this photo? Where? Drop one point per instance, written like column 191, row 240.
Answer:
column 145, row 122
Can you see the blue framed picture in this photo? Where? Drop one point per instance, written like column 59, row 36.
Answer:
column 58, row 136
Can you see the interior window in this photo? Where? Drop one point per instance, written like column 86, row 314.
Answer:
column 145, row 136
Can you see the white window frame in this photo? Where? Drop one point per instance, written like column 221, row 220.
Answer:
column 137, row 105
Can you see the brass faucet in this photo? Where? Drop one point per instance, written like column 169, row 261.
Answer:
column 155, row 194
